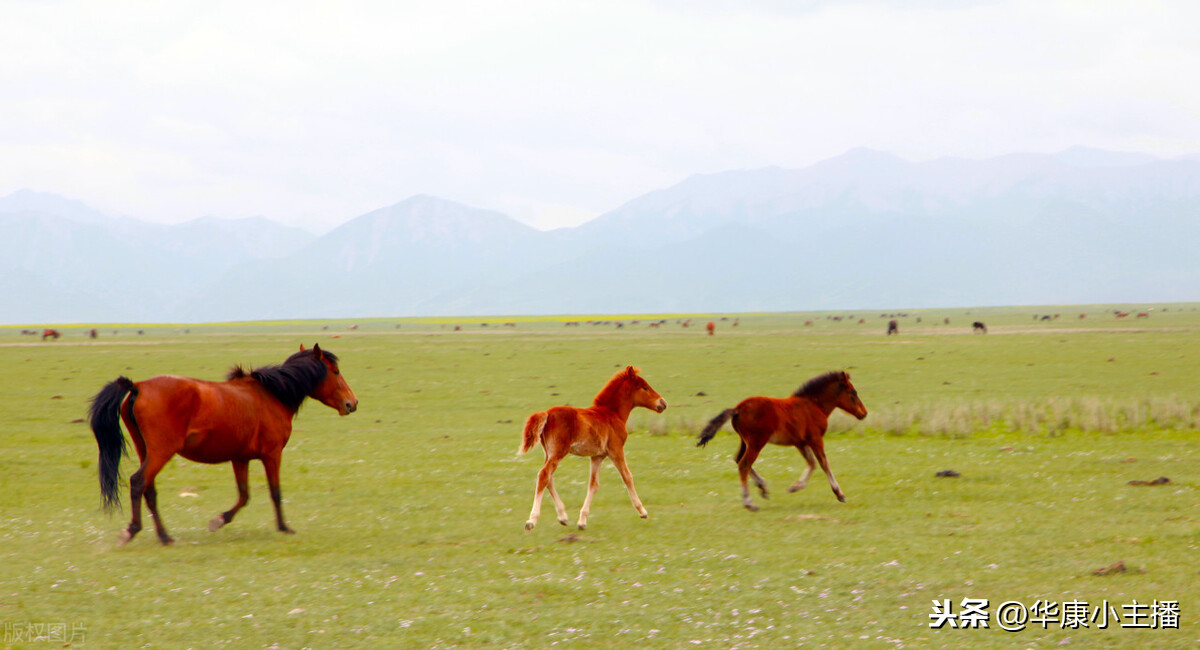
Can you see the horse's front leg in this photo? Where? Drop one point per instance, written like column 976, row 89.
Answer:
column 618, row 459
column 271, row 465
column 241, row 472
column 807, row 453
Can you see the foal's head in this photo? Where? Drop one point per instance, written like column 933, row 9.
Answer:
column 643, row 395
column 333, row 391
column 629, row 385
column 847, row 397
column 834, row 390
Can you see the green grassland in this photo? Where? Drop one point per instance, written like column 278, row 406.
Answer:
column 409, row 513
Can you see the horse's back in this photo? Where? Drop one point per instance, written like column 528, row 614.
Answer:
column 211, row 421
column 778, row 420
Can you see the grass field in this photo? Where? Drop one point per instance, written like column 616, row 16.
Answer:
column 410, row 512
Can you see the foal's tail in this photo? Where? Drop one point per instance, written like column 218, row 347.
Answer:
column 105, row 415
column 534, row 427
column 714, row 425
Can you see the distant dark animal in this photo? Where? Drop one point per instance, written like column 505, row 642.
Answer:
column 979, row 327
column 799, row 421
column 1045, row 318
column 247, row 417
column 51, row 334
column 92, row 333
column 948, row 473
column 893, row 327
column 1143, row 314
column 1122, row 314
column 597, row 432
column 1082, row 316
column 711, row 327
column 946, row 321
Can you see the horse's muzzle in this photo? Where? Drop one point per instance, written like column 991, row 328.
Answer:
column 660, row 406
column 351, row 407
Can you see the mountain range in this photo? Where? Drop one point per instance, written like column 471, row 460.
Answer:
column 860, row 231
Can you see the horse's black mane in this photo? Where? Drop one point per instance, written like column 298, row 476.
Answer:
column 293, row 380
column 815, row 386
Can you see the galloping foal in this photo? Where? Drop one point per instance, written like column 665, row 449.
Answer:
column 245, row 418
column 597, row 432
column 799, row 421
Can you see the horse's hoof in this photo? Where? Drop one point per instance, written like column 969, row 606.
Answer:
column 167, row 541
column 562, row 521
column 644, row 515
column 842, row 498
column 125, row 537
column 529, row 525
column 794, row 488
column 751, row 507
column 215, row 523
column 288, row 530
column 582, row 526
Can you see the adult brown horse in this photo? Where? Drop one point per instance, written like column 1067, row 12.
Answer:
column 597, row 432
column 799, row 421
column 247, row 417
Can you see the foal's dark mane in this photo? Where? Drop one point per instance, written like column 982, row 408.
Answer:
column 291, row 381
column 817, row 385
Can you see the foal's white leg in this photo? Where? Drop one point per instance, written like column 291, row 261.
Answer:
column 837, row 490
column 618, row 459
column 559, row 507
column 593, row 485
column 812, row 464
column 543, row 479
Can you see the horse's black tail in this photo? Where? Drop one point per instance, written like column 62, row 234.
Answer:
column 710, row 430
column 105, row 415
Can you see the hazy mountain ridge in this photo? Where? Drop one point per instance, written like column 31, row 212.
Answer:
column 863, row 230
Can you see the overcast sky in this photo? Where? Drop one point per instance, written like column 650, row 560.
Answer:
column 554, row 112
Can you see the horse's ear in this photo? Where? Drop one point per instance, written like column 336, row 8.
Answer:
column 317, row 351
column 631, row 372
column 302, row 347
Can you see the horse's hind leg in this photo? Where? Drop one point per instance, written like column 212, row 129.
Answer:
column 593, row 485
column 151, row 494
column 241, row 471
column 560, row 508
column 807, row 452
column 544, row 477
column 141, row 483
column 745, row 463
column 271, row 465
column 758, row 480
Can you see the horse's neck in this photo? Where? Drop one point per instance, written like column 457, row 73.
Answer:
column 824, row 406
column 621, row 407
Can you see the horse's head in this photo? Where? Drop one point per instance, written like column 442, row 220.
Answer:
column 333, row 391
column 847, row 397
column 643, row 394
